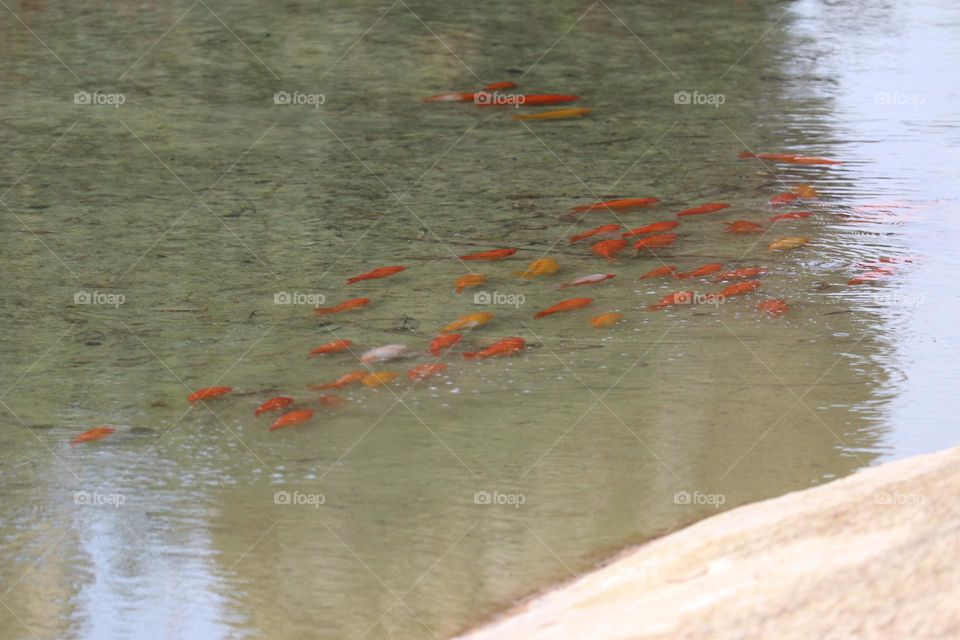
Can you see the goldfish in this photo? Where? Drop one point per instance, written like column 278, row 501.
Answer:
column 92, row 435
column 774, row 308
column 743, row 227
column 494, row 254
column 787, row 158
column 598, row 231
column 617, row 205
column 609, row 248
column 710, row 207
column 659, row 271
column 784, row 244
column 705, row 270
column 740, row 288
column 206, row 393
column 347, row 305
column 559, row 114
column 793, row 215
column 330, row 400
column 743, row 272
column 336, row 346
column 606, row 319
column 534, row 100
column 671, row 299
column 566, row 305
column 783, row 198
column 653, row 227
column 380, row 378
column 382, row 354
column 291, row 418
column 660, row 240
column 591, row 279
column 500, row 86
column 443, row 343
column 280, row 402
column 540, row 267
column 469, row 280
column 805, row 192
column 468, row 321
column 381, row 272
column 504, row 347
column 426, row 370
column 346, row 379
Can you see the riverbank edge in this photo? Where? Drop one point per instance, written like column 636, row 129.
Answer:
column 872, row 555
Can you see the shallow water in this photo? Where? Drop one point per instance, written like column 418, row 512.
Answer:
column 199, row 199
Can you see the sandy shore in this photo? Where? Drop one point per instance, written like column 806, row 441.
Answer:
column 874, row 555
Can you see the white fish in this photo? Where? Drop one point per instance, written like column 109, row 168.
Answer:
column 382, row 354
column 591, row 279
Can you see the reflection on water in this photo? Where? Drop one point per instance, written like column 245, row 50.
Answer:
column 199, row 199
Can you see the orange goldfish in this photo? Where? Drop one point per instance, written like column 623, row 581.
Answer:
column 740, row 288
column 783, row 198
column 591, row 279
column 705, row 270
column 346, row 379
column 566, row 305
column 617, row 205
column 443, row 343
column 469, row 280
column 280, row 402
column 559, row 114
column 504, row 347
column 737, row 274
column 291, row 418
column 374, row 380
column 793, row 215
column 787, row 158
column 426, row 370
column 206, row 393
column 347, row 305
column 660, row 240
column 671, row 299
column 785, row 244
column 500, row 86
column 659, row 271
column 609, row 248
column 774, row 308
column 710, row 207
column 468, row 321
column 535, row 100
column 601, row 230
column 742, row 227
column 540, row 267
column 92, row 435
column 336, row 346
column 381, row 272
column 606, row 319
column 805, row 192
column 653, row 227
column 494, row 254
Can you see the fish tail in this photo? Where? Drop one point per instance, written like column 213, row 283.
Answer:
column 541, row 314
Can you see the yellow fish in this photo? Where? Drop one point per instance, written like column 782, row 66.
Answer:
column 805, row 192
column 606, row 319
column 541, row 267
column 470, row 280
column 468, row 321
column 374, row 380
column 784, row 244
column 558, row 114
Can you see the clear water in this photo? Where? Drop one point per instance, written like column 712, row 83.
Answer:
column 199, row 199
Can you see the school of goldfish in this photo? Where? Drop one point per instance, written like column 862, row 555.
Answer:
column 611, row 243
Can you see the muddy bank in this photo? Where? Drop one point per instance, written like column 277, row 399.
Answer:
column 873, row 555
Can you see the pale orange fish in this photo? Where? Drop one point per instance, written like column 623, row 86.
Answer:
column 469, row 280
column 469, row 321
column 805, row 192
column 606, row 319
column 591, row 279
column 785, row 244
column 558, row 114
column 379, row 378
column 92, row 435
column 537, row 268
